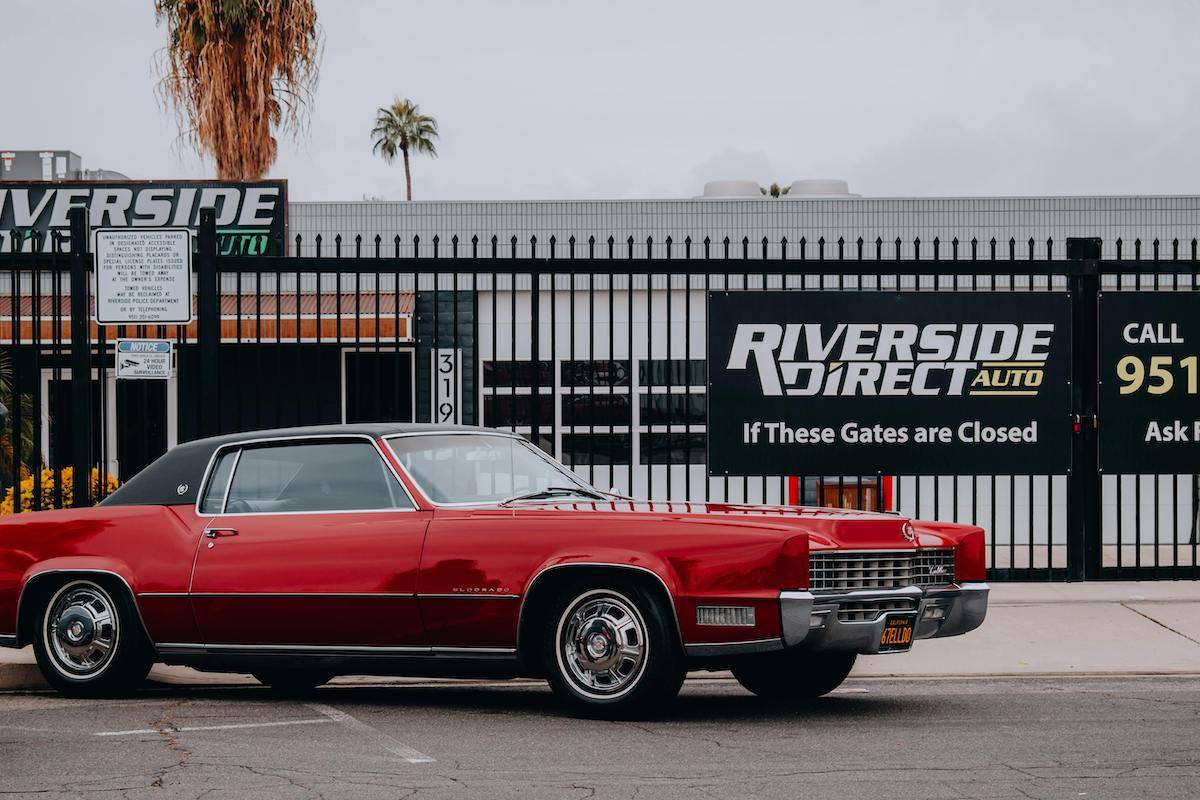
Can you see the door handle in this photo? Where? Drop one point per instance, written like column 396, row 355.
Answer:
column 215, row 533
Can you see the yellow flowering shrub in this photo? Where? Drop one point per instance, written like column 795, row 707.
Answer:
column 66, row 478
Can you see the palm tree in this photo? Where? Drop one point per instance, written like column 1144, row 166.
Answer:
column 236, row 71
column 401, row 128
column 25, row 435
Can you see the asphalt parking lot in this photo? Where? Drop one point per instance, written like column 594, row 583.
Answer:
column 1095, row 737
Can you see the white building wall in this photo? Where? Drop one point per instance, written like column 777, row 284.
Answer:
column 1146, row 217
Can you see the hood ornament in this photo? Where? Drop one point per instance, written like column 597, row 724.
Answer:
column 909, row 532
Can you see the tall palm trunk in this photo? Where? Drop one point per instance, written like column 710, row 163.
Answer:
column 407, row 175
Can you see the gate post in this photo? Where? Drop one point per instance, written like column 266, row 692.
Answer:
column 208, row 321
column 1084, row 555
column 81, row 360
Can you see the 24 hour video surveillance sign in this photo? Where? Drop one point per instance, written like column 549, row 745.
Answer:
column 821, row 383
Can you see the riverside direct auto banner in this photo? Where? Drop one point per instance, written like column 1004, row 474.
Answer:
column 854, row 383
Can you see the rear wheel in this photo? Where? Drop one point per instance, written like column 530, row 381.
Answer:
column 299, row 681
column 89, row 641
column 792, row 675
column 612, row 651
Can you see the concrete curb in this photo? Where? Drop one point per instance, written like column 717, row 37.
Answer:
column 15, row 677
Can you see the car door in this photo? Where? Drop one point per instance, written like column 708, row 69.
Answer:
column 311, row 542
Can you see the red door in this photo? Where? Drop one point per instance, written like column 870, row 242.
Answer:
column 268, row 574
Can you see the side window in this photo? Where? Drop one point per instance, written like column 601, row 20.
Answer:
column 218, row 482
column 317, row 476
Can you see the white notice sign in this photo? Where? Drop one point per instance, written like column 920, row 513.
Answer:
column 143, row 276
column 144, row 358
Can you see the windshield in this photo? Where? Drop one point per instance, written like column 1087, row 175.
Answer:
column 482, row 468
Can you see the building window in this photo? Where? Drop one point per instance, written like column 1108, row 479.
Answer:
column 840, row 491
column 500, row 374
column 508, row 392
column 601, row 449
column 673, row 448
column 673, row 372
column 588, row 410
column 595, row 373
column 672, row 411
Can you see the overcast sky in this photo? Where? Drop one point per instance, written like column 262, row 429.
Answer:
column 650, row 98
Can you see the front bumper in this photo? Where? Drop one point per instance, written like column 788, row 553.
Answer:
column 812, row 621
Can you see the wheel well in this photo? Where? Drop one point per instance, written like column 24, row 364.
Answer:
column 40, row 588
column 536, row 607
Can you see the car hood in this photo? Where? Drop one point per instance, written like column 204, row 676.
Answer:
column 826, row 527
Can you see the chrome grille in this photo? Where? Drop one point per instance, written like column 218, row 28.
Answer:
column 843, row 571
column 869, row 610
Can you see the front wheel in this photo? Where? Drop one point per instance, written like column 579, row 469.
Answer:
column 792, row 675
column 90, row 643
column 612, row 651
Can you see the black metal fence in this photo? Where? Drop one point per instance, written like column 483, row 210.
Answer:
column 596, row 353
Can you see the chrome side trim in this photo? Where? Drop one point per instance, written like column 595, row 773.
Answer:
column 190, row 648
column 8, row 641
column 212, row 461
column 432, row 596
column 467, row 596
column 298, row 594
column 733, row 648
column 534, row 579
column 118, row 576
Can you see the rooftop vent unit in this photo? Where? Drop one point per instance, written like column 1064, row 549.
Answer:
column 819, row 189
column 731, row 189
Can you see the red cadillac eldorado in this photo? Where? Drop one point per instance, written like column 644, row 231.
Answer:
column 301, row 554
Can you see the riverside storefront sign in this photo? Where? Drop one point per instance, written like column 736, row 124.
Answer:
column 249, row 215
column 807, row 383
column 1149, row 382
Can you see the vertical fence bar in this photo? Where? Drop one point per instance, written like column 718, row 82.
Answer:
column 81, row 366
column 1084, row 543
column 208, row 323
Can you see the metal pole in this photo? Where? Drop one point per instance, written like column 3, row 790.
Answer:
column 81, row 360
column 208, row 322
column 1084, row 553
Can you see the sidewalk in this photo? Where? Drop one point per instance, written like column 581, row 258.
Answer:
column 1031, row 629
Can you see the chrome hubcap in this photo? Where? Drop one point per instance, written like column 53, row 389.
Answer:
column 81, row 629
column 602, row 643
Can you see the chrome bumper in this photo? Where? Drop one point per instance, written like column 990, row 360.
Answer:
column 811, row 621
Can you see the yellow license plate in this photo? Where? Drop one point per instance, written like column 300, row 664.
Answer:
column 897, row 633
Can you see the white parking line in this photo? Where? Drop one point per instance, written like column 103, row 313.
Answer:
column 387, row 742
column 321, row 721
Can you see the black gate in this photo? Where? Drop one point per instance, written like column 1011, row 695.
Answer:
column 595, row 350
